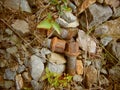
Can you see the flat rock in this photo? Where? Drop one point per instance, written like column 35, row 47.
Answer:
column 18, row 5
column 36, row 67
column 56, row 58
column 97, row 14
column 67, row 20
column 86, row 42
column 90, row 76
column 9, row 74
column 57, row 68
column 21, row 26
column 109, row 28
column 19, row 82
column 79, row 67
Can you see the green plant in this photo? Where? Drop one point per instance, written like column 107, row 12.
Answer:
column 56, row 80
column 49, row 23
column 61, row 5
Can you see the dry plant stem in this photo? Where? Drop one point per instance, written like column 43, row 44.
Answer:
column 38, row 14
column 17, row 34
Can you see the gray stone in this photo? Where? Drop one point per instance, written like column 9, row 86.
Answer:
column 18, row 5
column 25, row 6
column 109, row 28
column 8, row 31
column 77, row 78
column 36, row 85
column 21, row 68
column 9, row 74
column 97, row 14
column 8, row 84
column 26, row 76
column 12, row 50
column 57, row 68
column 19, row 82
column 106, row 40
column 21, row 26
column 65, row 24
column 86, row 42
column 69, row 17
column 36, row 67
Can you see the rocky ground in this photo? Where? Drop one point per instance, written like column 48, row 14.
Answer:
column 78, row 48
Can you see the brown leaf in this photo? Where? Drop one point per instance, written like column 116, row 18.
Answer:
column 85, row 5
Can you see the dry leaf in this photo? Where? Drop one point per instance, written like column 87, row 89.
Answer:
column 85, row 5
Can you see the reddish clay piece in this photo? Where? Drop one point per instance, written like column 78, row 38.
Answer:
column 58, row 45
column 72, row 51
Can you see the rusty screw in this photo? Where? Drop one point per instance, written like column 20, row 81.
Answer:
column 72, row 51
column 58, row 45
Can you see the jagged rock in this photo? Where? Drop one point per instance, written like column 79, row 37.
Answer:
column 21, row 68
column 90, row 76
column 19, row 82
column 97, row 14
column 21, row 26
column 86, row 42
column 36, row 67
column 9, row 74
column 56, row 58
column 57, row 68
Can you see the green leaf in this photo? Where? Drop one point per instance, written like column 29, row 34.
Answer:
column 45, row 24
column 56, row 27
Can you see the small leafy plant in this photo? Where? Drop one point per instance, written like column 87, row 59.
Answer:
column 56, row 80
column 49, row 23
